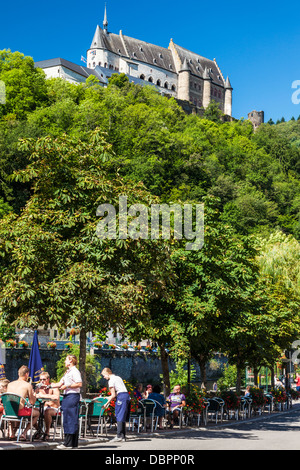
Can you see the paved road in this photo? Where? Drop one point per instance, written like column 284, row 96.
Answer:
column 278, row 432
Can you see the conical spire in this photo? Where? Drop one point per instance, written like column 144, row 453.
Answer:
column 206, row 75
column 105, row 22
column 97, row 42
column 185, row 66
column 228, row 84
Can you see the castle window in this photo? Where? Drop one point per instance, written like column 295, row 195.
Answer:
column 142, row 77
column 150, row 79
column 160, row 55
column 154, row 60
column 170, row 66
column 158, row 83
column 173, row 88
column 166, row 85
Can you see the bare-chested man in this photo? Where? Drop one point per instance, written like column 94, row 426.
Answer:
column 23, row 388
column 51, row 406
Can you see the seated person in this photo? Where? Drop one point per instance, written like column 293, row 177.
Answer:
column 138, row 391
column 23, row 388
column 160, row 409
column 51, row 406
column 148, row 390
column 3, row 389
column 176, row 402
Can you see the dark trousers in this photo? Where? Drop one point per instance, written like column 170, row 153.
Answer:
column 70, row 409
column 121, row 429
column 71, row 440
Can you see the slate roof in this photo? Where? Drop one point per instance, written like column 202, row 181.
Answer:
column 79, row 69
column 197, row 65
column 134, row 49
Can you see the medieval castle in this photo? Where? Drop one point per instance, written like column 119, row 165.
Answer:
column 173, row 71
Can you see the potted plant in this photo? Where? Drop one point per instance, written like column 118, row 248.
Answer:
column 23, row 344
column 68, row 345
column 137, row 347
column 111, row 346
column 51, row 345
column 125, row 346
column 10, row 343
column 98, row 345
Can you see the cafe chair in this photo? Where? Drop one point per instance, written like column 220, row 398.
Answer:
column 11, row 404
column 149, row 412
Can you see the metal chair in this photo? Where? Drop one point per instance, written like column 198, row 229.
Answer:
column 215, row 408
column 55, row 419
column 159, row 412
column 93, row 409
column 136, row 418
column 269, row 402
column 248, row 406
column 11, row 403
column 149, row 412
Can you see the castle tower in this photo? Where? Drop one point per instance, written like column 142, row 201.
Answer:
column 97, row 54
column 228, row 98
column 184, row 82
column 206, row 88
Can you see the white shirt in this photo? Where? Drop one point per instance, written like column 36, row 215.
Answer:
column 71, row 376
column 117, row 383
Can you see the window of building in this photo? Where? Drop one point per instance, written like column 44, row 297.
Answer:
column 142, row 77
column 173, row 88
column 166, row 85
column 158, row 83
column 150, row 79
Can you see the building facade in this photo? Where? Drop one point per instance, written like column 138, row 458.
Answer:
column 175, row 71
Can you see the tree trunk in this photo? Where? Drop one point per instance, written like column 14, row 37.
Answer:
column 165, row 369
column 202, row 364
column 272, row 377
column 238, row 379
column 82, row 361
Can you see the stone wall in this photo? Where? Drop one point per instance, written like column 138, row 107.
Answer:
column 130, row 365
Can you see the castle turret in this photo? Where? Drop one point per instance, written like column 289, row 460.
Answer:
column 228, row 98
column 184, row 82
column 206, row 88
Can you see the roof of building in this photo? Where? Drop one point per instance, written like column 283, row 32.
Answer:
column 58, row 61
column 134, row 49
column 197, row 65
column 161, row 57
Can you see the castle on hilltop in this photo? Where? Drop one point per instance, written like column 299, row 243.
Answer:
column 173, row 71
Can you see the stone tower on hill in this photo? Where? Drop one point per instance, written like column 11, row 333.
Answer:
column 174, row 71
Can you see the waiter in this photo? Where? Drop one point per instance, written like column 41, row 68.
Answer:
column 70, row 383
column 120, row 394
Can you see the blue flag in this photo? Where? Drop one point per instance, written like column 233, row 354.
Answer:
column 35, row 363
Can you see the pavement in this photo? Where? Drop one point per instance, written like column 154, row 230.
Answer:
column 5, row 444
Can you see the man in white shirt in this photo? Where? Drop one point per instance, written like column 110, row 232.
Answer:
column 120, row 394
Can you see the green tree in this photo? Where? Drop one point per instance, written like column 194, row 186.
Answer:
column 55, row 269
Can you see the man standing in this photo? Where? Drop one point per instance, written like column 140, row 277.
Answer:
column 23, row 388
column 51, row 406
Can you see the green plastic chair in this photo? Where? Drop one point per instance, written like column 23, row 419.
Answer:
column 11, row 403
column 91, row 410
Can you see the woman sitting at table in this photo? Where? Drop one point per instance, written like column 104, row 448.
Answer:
column 51, row 406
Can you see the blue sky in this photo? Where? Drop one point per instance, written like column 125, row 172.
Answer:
column 257, row 43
